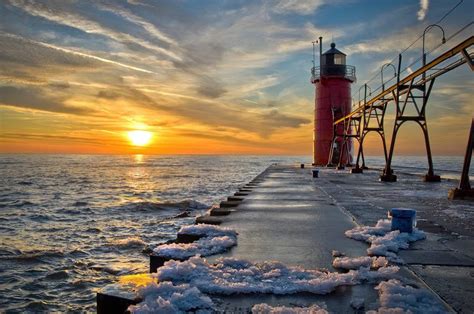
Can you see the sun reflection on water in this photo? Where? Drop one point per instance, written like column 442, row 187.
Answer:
column 138, row 158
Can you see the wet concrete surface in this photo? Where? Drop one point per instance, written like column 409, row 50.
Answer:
column 295, row 219
column 445, row 259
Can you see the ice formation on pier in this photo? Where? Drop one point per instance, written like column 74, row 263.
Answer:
column 207, row 230
column 239, row 276
column 358, row 262
column 383, row 241
column 182, row 285
column 168, row 298
column 395, row 297
column 267, row 309
column 214, row 240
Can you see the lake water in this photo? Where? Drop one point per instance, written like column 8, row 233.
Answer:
column 70, row 224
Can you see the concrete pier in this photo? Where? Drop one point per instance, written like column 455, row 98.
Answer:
column 291, row 217
column 287, row 215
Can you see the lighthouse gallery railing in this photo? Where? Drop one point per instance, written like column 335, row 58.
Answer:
column 348, row 71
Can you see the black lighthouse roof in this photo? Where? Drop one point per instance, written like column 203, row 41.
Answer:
column 333, row 50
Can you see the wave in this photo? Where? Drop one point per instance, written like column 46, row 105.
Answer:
column 57, row 275
column 17, row 204
column 186, row 205
column 32, row 256
column 80, row 204
column 130, row 242
column 25, row 183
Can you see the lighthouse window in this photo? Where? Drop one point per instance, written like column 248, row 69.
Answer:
column 339, row 59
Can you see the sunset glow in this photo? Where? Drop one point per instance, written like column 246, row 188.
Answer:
column 238, row 83
column 139, row 138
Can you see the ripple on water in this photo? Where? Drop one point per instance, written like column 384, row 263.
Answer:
column 77, row 203
column 25, row 183
column 80, row 204
column 33, row 256
column 57, row 275
column 128, row 243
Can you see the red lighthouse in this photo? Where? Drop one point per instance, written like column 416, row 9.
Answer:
column 332, row 81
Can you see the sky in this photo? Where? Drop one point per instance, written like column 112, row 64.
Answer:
column 211, row 77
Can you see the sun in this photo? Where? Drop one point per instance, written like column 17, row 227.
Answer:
column 140, row 138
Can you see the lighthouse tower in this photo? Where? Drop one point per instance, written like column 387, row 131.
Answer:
column 332, row 80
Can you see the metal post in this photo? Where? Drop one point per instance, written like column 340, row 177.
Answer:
column 387, row 175
column 320, row 50
column 430, row 177
column 423, row 45
column 381, row 73
column 464, row 190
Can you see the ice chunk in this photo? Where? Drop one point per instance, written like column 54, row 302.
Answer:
column 203, row 247
column 357, row 262
column 267, row 309
column 207, row 230
column 396, row 297
column 383, row 241
column 337, row 253
column 215, row 240
column 168, row 298
column 233, row 276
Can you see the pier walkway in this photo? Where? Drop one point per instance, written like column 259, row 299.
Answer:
column 290, row 217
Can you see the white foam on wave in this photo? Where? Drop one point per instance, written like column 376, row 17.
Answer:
column 267, row 309
column 214, row 240
column 128, row 242
column 395, row 297
column 383, row 241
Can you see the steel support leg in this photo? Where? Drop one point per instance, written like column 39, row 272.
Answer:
column 387, row 175
column 430, row 176
column 464, row 190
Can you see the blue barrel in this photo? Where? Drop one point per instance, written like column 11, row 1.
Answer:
column 315, row 173
column 403, row 219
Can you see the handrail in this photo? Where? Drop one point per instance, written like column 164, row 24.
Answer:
column 348, row 71
column 448, row 54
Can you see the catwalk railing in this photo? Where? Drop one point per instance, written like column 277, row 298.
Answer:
column 410, row 96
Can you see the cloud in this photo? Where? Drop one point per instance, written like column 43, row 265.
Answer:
column 219, row 137
column 209, row 113
column 149, row 27
column 303, row 7
column 49, row 137
column 261, row 122
column 61, row 14
column 35, row 98
column 210, row 87
column 20, row 57
column 22, row 51
column 423, row 9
